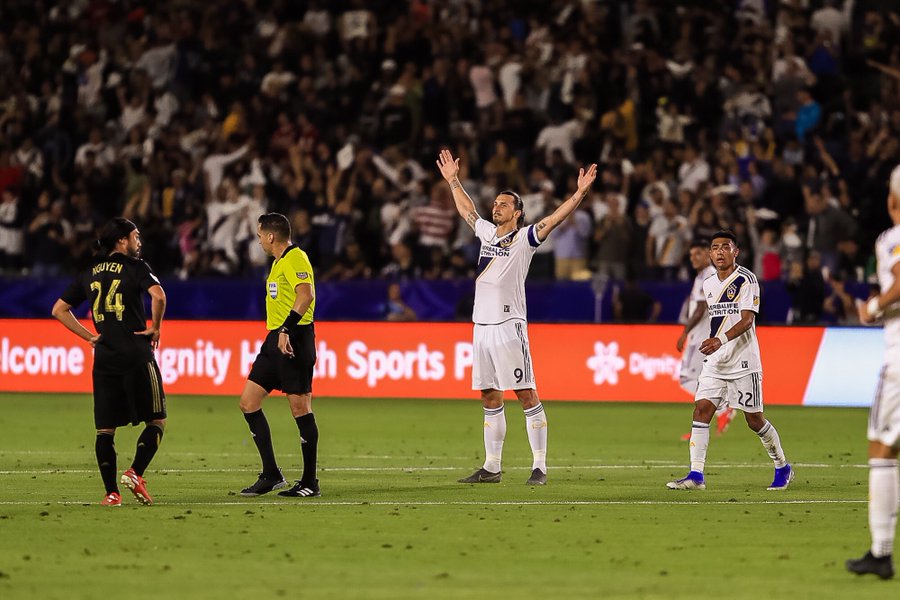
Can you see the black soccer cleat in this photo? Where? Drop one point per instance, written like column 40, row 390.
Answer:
column 302, row 490
column 265, row 484
column 482, row 476
column 882, row 566
column 538, row 477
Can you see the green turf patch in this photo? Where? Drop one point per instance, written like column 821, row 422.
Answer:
column 393, row 523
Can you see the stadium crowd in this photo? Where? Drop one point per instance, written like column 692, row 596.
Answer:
column 779, row 120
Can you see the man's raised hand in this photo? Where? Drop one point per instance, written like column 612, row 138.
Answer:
column 448, row 166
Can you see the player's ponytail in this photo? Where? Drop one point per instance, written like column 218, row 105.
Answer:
column 112, row 232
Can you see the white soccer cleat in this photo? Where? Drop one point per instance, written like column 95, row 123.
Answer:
column 693, row 481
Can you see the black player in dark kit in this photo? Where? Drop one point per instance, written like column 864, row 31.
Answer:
column 127, row 383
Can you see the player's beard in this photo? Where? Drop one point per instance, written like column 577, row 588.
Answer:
column 134, row 251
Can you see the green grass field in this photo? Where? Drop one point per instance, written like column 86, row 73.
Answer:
column 392, row 522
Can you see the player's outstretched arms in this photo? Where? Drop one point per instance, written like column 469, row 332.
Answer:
column 449, row 168
column 549, row 223
column 62, row 312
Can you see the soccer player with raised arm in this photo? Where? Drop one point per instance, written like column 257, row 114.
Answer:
column 286, row 360
column 127, row 383
column 502, row 359
column 884, row 416
column 732, row 371
column 696, row 325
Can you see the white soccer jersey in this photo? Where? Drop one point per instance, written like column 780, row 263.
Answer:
column 887, row 251
column 700, row 331
column 726, row 300
column 502, row 268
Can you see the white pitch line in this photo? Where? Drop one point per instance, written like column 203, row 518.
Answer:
column 427, row 468
column 243, row 454
column 250, row 503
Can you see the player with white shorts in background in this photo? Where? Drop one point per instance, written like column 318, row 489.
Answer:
column 884, row 416
column 732, row 371
column 502, row 358
column 694, row 316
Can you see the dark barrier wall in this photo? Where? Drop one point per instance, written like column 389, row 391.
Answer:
column 549, row 302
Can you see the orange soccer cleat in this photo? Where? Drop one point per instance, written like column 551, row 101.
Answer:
column 138, row 486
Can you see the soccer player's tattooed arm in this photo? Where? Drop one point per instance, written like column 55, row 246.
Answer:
column 552, row 221
column 62, row 312
column 449, row 168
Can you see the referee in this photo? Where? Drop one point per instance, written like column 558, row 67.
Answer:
column 286, row 359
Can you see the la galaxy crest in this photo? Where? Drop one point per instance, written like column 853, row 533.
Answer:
column 507, row 242
column 731, row 292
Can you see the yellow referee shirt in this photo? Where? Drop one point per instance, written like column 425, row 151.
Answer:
column 292, row 269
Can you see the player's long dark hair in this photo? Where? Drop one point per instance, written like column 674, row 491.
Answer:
column 111, row 233
column 519, row 205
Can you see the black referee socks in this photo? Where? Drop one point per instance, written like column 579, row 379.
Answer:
column 309, row 443
column 259, row 427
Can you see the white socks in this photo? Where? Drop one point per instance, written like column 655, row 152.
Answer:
column 494, row 434
column 772, row 443
column 699, row 445
column 536, row 427
column 884, row 493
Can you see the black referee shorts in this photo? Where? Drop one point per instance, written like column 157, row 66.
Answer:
column 129, row 396
column 273, row 370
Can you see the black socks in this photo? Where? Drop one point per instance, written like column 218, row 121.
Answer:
column 147, row 445
column 106, row 459
column 309, row 443
column 259, row 427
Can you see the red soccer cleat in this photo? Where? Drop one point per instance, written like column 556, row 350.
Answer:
column 724, row 420
column 111, row 499
column 138, row 487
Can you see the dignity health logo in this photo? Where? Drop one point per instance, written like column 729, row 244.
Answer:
column 606, row 363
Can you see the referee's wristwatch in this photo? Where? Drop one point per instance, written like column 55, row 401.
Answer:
column 284, row 330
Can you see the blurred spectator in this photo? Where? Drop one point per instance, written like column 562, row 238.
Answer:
column 612, row 237
column 806, row 285
column 839, row 307
column 827, row 225
column 631, row 304
column 667, row 241
column 51, row 234
column 395, row 308
column 12, row 239
column 570, row 246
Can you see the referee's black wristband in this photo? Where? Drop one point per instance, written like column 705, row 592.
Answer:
column 292, row 319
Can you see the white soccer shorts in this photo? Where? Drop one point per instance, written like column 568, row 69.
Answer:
column 884, row 416
column 743, row 394
column 691, row 363
column 502, row 357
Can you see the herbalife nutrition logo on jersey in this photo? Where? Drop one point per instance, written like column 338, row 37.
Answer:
column 606, row 363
